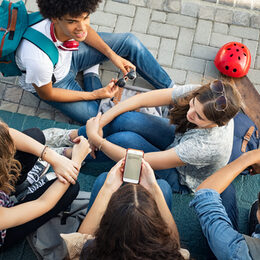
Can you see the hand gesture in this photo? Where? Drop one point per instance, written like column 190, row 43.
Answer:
column 92, row 126
column 107, row 92
column 123, row 64
column 147, row 177
column 115, row 176
column 80, row 149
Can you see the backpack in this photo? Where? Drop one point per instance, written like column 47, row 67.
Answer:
column 15, row 25
column 46, row 241
column 246, row 137
column 126, row 92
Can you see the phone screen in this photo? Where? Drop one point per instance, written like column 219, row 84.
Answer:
column 132, row 167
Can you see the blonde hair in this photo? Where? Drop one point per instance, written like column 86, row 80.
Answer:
column 10, row 168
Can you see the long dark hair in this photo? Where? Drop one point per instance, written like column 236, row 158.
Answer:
column 206, row 97
column 132, row 228
column 9, row 167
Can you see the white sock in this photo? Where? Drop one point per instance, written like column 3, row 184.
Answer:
column 94, row 69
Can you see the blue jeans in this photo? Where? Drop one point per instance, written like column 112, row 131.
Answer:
column 223, row 239
column 124, row 44
column 165, row 187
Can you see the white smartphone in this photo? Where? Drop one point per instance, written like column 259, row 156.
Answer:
column 133, row 165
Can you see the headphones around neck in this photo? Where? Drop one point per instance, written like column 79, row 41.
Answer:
column 70, row 45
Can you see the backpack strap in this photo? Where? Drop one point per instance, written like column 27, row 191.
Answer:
column 34, row 18
column 247, row 138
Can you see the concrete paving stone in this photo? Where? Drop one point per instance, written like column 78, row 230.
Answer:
column 203, row 32
column 43, row 105
column 104, row 19
column 154, row 52
column 123, row 24
column 226, row 2
column 256, row 5
column 13, row 93
column 141, row 20
column 224, row 16
column 257, row 63
column 28, row 99
column 193, row 78
column 9, row 80
column 178, row 76
column 105, row 29
column 121, row 1
column 255, row 21
column 241, row 18
column 2, row 90
column 204, row 52
column 8, row 106
column 42, row 113
column 252, row 46
column 211, row 72
column 101, row 6
column 254, row 76
column 220, row 28
column 188, row 63
column 181, row 20
column 108, row 65
column 138, row 2
column 172, row 6
column 120, row 9
column 207, row 12
column 218, row 40
column 190, row 9
column 95, row 27
column 150, row 41
column 59, row 117
column 158, row 16
column 107, row 76
column 211, row 1
column 244, row 32
column 155, row 4
column 185, row 40
column 31, row 6
column 140, row 82
column 164, row 30
column 31, row 111
column 257, row 88
column 166, row 51
column 244, row 4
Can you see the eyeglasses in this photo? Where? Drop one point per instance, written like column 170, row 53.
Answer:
column 218, row 91
column 130, row 75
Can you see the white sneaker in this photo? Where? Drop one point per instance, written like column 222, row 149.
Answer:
column 58, row 137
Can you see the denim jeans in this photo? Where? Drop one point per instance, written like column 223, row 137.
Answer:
column 152, row 134
column 165, row 187
column 124, row 44
column 223, row 239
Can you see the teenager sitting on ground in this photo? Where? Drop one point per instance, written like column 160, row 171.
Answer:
column 17, row 220
column 198, row 142
column 224, row 241
column 128, row 222
column 68, row 20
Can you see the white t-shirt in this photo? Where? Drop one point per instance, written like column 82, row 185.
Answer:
column 203, row 150
column 38, row 66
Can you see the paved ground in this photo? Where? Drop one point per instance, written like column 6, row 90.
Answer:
column 183, row 35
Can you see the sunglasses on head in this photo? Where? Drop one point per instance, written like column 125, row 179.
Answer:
column 130, row 75
column 218, row 91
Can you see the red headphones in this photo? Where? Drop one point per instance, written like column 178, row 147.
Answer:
column 70, row 45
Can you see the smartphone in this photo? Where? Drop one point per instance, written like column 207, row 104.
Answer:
column 133, row 165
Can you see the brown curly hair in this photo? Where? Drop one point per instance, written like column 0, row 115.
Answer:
column 206, row 97
column 58, row 8
column 132, row 228
column 10, row 168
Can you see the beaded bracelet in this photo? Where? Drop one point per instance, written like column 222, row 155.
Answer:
column 102, row 142
column 43, row 152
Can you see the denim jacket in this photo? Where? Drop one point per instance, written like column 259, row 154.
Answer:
column 224, row 241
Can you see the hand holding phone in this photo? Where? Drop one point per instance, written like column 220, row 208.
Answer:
column 133, row 165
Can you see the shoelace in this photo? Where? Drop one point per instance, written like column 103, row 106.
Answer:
column 33, row 174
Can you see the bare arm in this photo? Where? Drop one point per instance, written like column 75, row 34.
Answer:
column 48, row 92
column 221, row 179
column 153, row 98
column 157, row 160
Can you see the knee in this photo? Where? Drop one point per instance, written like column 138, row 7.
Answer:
column 133, row 41
column 165, row 187
column 36, row 134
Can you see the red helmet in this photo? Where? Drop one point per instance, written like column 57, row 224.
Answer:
column 233, row 59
